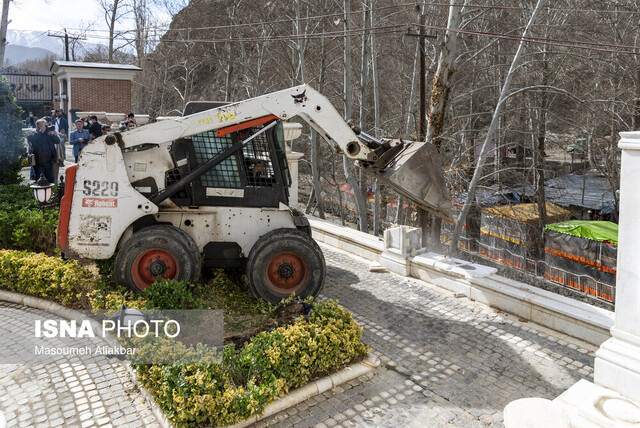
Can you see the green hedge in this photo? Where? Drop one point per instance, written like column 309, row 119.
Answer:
column 245, row 381
column 236, row 387
column 48, row 277
column 22, row 225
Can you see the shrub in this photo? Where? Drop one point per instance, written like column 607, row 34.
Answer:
column 15, row 196
column 44, row 276
column 22, row 225
column 247, row 380
column 31, row 230
column 112, row 300
column 11, row 140
column 170, row 294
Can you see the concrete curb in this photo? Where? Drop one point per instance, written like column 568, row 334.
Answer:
column 314, row 388
column 155, row 408
column 311, row 389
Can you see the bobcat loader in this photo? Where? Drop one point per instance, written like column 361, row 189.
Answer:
column 211, row 188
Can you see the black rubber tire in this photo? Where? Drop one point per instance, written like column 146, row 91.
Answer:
column 157, row 240
column 293, row 245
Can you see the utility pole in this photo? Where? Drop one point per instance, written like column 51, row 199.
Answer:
column 66, row 38
column 66, row 45
column 422, row 128
column 3, row 29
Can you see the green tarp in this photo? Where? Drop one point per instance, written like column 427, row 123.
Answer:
column 594, row 230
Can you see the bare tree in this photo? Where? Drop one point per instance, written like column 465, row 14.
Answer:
column 4, row 21
column 485, row 147
column 141, row 15
column 360, row 201
column 114, row 11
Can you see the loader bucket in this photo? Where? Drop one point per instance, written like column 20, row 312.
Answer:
column 416, row 174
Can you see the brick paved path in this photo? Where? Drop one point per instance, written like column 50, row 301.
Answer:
column 446, row 362
column 66, row 394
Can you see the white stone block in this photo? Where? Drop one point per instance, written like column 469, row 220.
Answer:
column 395, row 262
column 535, row 413
column 404, row 239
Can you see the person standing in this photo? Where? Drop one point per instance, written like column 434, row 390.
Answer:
column 61, row 124
column 95, row 127
column 125, row 123
column 62, row 131
column 79, row 138
column 43, row 146
column 30, row 121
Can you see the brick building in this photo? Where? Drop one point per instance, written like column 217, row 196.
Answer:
column 91, row 86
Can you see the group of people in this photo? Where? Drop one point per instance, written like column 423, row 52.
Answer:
column 47, row 144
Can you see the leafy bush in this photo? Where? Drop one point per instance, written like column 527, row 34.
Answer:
column 170, row 294
column 247, row 380
column 15, row 196
column 11, row 140
column 31, row 230
column 44, row 276
column 22, row 225
column 113, row 299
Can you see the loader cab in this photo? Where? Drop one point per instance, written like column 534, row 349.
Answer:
column 255, row 176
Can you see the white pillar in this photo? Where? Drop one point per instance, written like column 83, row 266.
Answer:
column 292, row 161
column 69, row 104
column 60, row 100
column 617, row 364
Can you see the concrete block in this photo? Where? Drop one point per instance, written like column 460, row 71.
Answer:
column 395, row 263
column 403, row 239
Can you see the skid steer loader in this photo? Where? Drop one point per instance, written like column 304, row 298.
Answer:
column 212, row 188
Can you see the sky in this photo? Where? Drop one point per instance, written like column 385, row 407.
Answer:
column 55, row 15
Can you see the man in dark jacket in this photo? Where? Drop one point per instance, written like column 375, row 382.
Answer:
column 95, row 129
column 43, row 146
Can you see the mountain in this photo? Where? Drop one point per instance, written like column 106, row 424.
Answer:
column 34, row 39
column 24, row 45
column 14, row 54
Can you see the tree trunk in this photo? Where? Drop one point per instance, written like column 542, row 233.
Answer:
column 471, row 195
column 376, row 117
column 315, row 170
column 4, row 22
column 539, row 170
column 442, row 78
column 141, row 18
column 360, row 201
column 540, row 196
column 437, row 109
column 364, row 77
column 112, row 25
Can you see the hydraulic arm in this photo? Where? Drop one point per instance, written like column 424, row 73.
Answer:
column 411, row 168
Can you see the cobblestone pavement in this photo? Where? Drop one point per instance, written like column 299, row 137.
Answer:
column 446, row 362
column 68, row 393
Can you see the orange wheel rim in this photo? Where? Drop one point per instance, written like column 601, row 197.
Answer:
column 152, row 264
column 286, row 272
